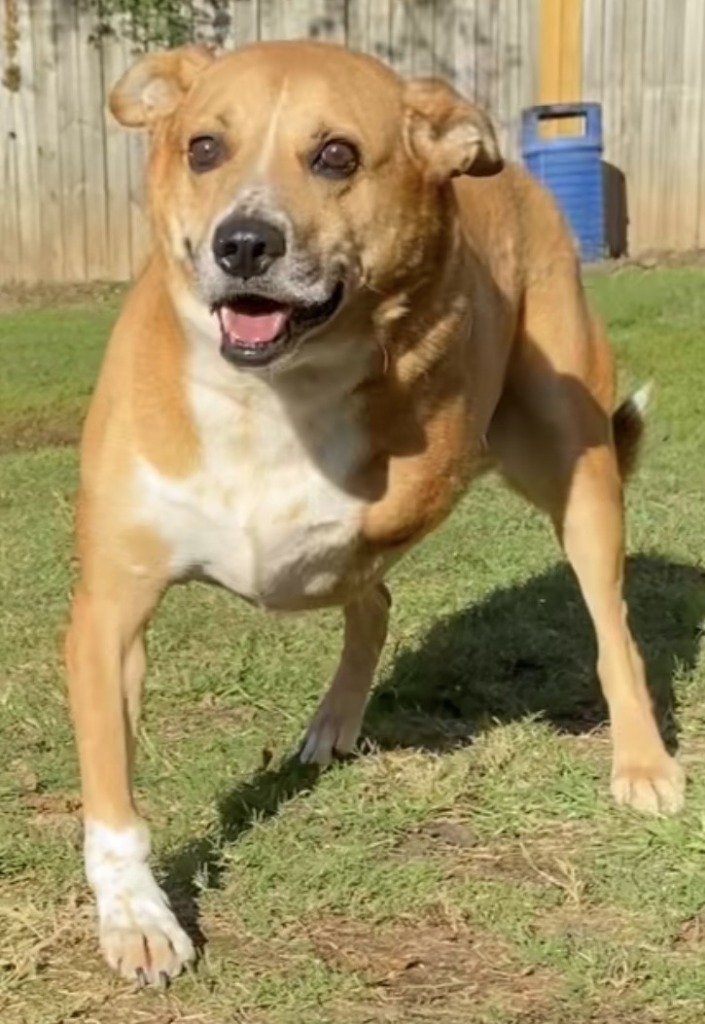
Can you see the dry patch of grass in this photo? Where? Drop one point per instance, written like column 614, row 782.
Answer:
column 430, row 969
column 87, row 295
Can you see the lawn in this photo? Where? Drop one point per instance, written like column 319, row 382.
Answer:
column 469, row 866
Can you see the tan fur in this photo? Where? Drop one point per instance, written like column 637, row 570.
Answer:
column 465, row 343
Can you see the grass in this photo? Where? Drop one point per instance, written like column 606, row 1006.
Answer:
column 469, row 867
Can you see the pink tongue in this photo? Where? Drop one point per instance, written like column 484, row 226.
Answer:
column 253, row 328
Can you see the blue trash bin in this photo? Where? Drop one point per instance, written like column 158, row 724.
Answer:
column 570, row 166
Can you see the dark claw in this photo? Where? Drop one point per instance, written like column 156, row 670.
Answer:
column 141, row 978
column 164, row 980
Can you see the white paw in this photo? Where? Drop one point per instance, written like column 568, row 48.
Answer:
column 333, row 729
column 139, row 934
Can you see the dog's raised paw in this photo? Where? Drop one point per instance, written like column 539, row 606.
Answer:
column 650, row 789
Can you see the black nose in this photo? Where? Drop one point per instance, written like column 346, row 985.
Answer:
column 246, row 246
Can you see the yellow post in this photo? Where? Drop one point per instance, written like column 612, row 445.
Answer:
column 561, row 59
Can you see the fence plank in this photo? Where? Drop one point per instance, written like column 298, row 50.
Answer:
column 571, row 61
column 296, row 17
column 412, row 31
column 689, row 174
column 25, row 121
column 509, row 101
column 401, row 36
column 327, row 19
column 674, row 125
column 444, row 63
column 11, row 248
column 629, row 174
column 652, row 141
column 244, row 23
column 486, row 55
column 593, row 49
column 560, row 60
column 426, row 20
column 376, row 22
column 550, row 55
column 50, row 255
column 613, row 126
column 465, row 49
column 271, row 23
column 529, row 32
column 701, row 154
column 85, row 146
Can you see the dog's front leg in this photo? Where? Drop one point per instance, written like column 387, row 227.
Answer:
column 139, row 935
column 336, row 724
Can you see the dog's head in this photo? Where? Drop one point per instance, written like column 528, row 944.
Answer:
column 289, row 181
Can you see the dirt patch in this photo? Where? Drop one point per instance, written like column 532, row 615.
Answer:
column 611, row 1016
column 453, row 834
column 48, row 808
column 58, row 812
column 29, row 430
column 690, row 937
column 428, row 963
column 510, row 865
column 585, row 922
column 206, row 717
column 535, row 865
column 18, row 296
column 53, row 429
column 436, row 836
column 548, row 860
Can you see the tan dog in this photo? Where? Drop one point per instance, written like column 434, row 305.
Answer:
column 351, row 310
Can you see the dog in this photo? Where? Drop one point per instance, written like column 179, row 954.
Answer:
column 353, row 308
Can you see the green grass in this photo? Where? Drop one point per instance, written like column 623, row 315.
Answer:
column 49, row 360
column 469, row 867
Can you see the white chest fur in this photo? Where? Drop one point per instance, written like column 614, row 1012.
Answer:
column 266, row 513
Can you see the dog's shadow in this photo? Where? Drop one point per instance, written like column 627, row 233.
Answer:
column 198, row 865
column 530, row 649
column 525, row 650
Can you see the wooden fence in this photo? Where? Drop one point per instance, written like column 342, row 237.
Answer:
column 71, row 179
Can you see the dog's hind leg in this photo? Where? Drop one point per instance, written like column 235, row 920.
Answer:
column 139, row 934
column 335, row 726
column 553, row 441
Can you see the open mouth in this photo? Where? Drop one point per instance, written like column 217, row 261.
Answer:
column 255, row 331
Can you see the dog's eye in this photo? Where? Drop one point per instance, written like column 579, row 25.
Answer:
column 205, row 152
column 336, row 159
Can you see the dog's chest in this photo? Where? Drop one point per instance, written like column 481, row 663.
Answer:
column 266, row 513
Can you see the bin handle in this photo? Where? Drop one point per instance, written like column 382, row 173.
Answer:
column 548, row 111
column 591, row 112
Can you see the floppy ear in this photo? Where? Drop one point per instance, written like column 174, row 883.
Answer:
column 447, row 133
column 156, row 84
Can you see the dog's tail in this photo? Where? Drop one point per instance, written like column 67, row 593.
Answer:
column 628, row 424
